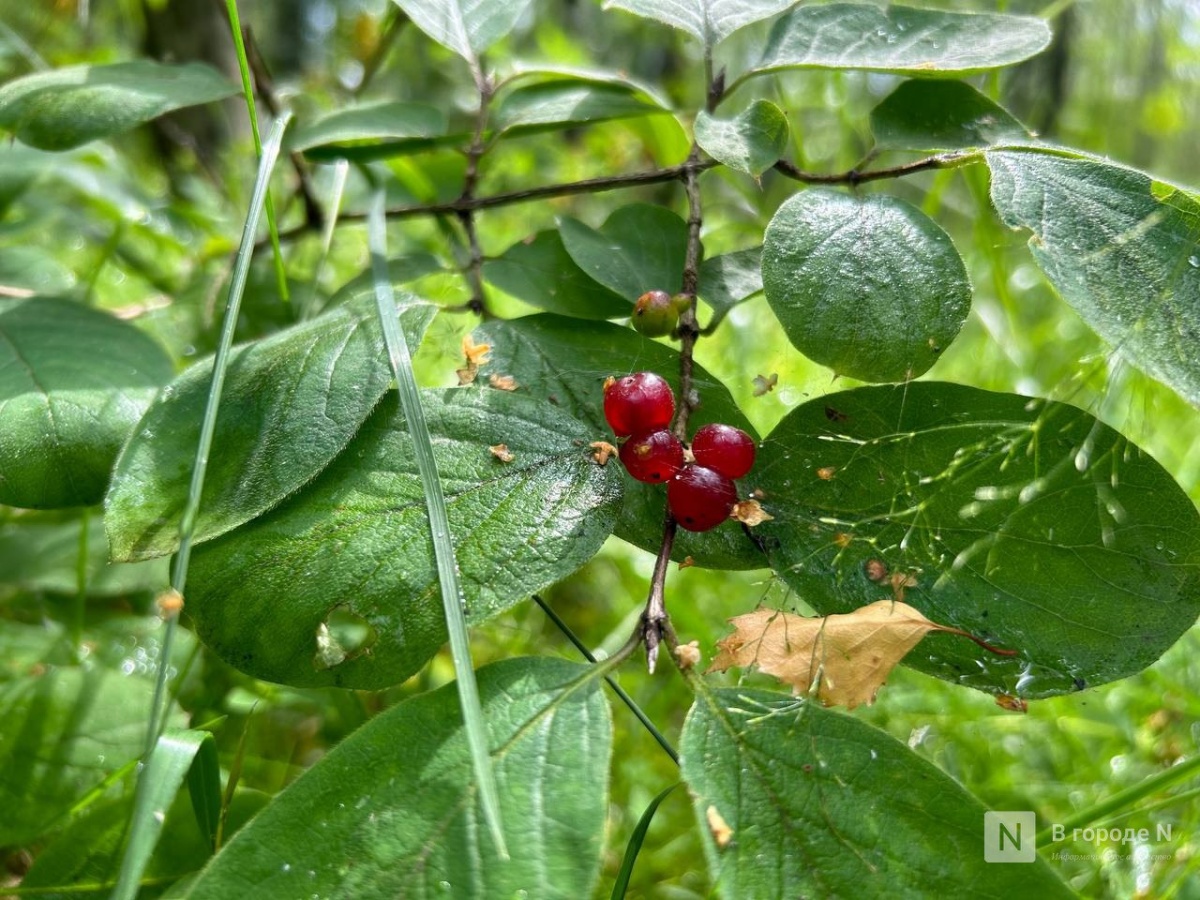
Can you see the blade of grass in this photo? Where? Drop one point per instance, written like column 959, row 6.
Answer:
column 617, row 689
column 1189, row 768
column 621, row 885
column 235, row 24
column 161, row 779
column 187, row 522
column 435, row 503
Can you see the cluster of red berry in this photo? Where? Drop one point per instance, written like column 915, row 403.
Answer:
column 700, row 494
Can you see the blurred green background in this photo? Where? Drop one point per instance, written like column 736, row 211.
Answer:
column 145, row 226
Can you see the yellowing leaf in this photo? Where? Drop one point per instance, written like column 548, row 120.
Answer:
column 842, row 659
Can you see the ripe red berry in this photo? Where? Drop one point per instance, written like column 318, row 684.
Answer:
column 700, row 498
column 724, row 449
column 654, row 458
column 638, row 403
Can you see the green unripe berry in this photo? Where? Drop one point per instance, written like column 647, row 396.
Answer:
column 655, row 314
column 682, row 302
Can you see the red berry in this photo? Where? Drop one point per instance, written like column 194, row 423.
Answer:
column 724, row 449
column 654, row 458
column 638, row 403
column 700, row 498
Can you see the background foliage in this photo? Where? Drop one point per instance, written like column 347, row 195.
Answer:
column 144, row 226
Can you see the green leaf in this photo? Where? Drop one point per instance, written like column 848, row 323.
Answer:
column 65, row 108
column 569, row 104
column 468, row 27
column 898, row 39
column 942, row 115
column 823, row 805
column 710, row 21
column 40, row 552
column 373, row 131
column 1120, row 247
column 24, row 648
column 727, row 280
column 65, row 731
column 34, row 270
column 1024, row 522
column 636, row 840
column 564, row 362
column 73, row 384
column 350, row 557
column 291, row 403
column 869, row 286
column 751, row 142
column 639, row 248
column 158, row 783
column 397, row 812
column 540, row 271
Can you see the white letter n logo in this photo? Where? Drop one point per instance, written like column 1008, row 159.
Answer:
column 1008, row 837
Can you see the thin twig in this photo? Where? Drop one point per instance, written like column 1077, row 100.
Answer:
column 466, row 217
column 655, row 626
column 855, row 176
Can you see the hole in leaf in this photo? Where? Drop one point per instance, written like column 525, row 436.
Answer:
column 342, row 636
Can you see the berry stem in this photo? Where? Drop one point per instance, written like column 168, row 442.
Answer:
column 655, row 624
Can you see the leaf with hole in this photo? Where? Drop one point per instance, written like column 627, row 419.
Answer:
column 291, row 403
column 942, row 115
column 373, row 131
column 1120, row 247
column 869, row 286
column 750, row 142
column 539, row 271
column 64, row 108
column 899, row 39
column 564, row 362
column 809, row 802
column 1026, row 523
column 408, row 824
column 639, row 248
column 337, row 585
column 73, row 384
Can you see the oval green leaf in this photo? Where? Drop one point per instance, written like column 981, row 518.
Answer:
column 468, row 27
column 564, row 362
column 1027, row 523
column 291, row 403
column 942, row 115
column 869, row 286
column 399, row 814
column 819, row 804
column 569, row 103
column 65, row 108
column 899, row 39
column 707, row 20
column 1120, row 247
column 750, row 142
column 338, row 587
column 639, row 248
column 373, row 131
column 73, row 384
column 728, row 279
column 539, row 271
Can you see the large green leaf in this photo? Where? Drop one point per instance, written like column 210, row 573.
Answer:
column 291, row 403
column 728, row 279
column 73, row 384
column 468, row 27
column 40, row 552
column 1024, row 522
column 899, row 39
column 751, row 142
column 64, row 731
column 942, row 115
column 354, row 549
column 570, row 103
column 33, row 270
column 822, row 805
column 392, row 810
column 708, row 20
column 639, row 248
column 541, row 272
column 564, row 362
column 373, row 131
column 64, row 108
column 869, row 286
column 1120, row 247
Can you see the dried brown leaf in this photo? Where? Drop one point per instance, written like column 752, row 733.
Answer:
column 502, row 453
column 602, row 451
column 476, row 354
column 503, row 382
